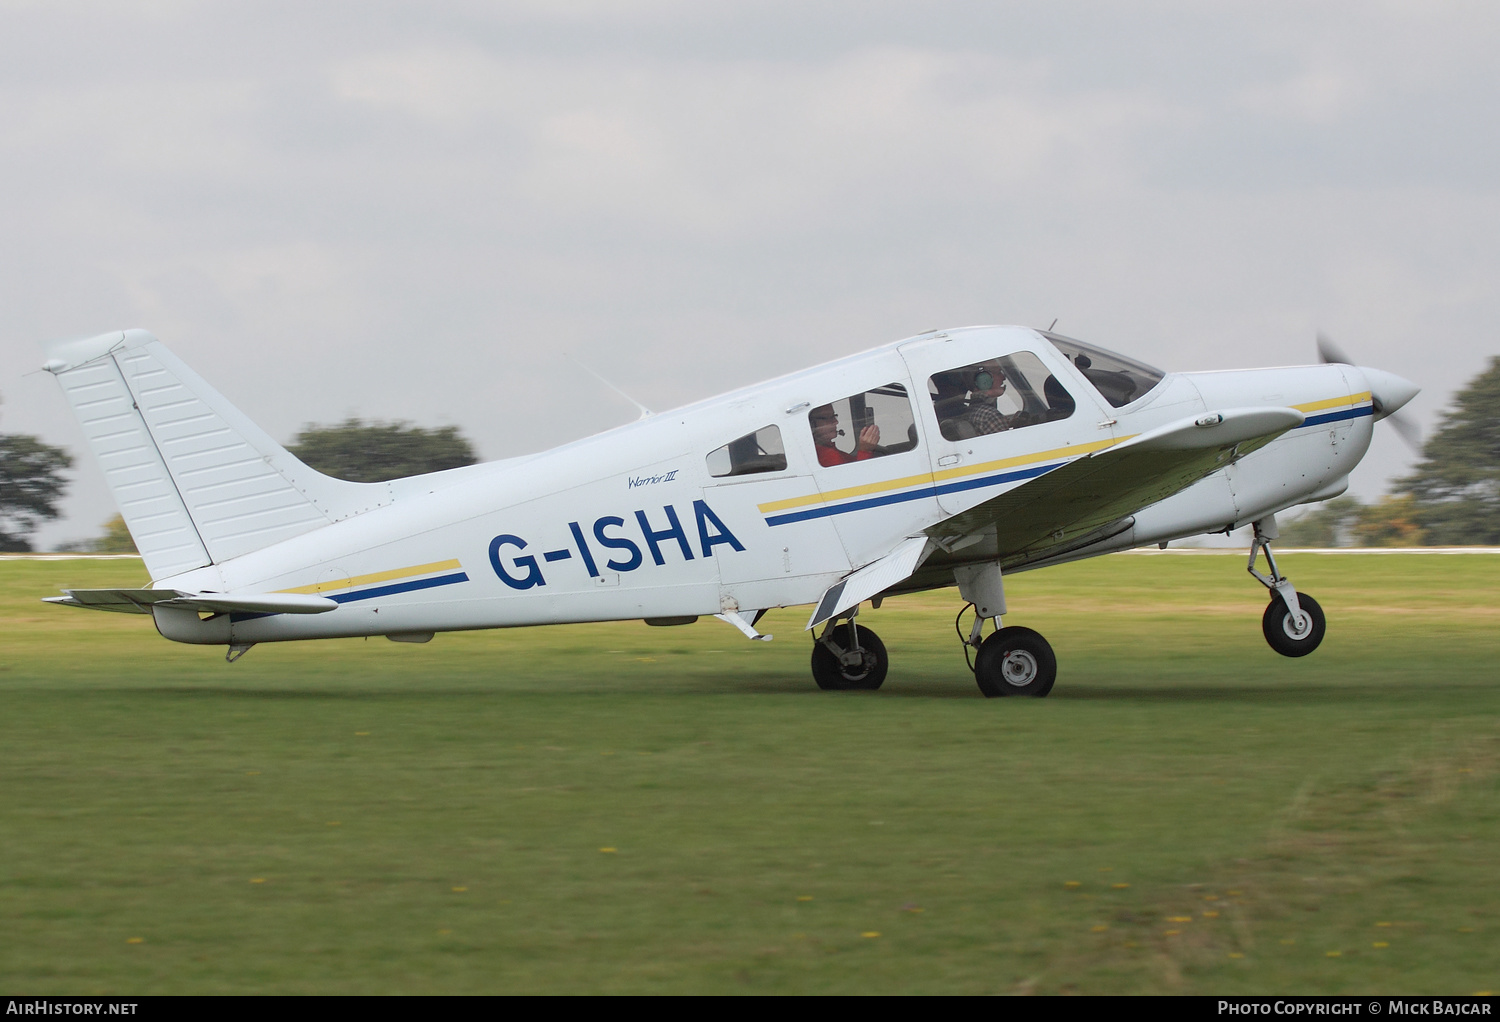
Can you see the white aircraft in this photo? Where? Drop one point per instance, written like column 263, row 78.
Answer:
column 951, row 457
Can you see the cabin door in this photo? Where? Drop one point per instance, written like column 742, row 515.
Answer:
column 997, row 415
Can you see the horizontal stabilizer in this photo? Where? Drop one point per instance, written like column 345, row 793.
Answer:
column 871, row 580
column 121, row 601
column 140, row 601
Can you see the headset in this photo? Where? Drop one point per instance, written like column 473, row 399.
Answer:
column 985, row 380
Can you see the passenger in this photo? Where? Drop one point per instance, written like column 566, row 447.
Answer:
column 825, row 429
column 966, row 402
column 987, row 386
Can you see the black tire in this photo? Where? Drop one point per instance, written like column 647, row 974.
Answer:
column 833, row 675
column 1015, row 662
column 1276, row 623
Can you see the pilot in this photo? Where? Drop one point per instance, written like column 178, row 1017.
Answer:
column 825, row 429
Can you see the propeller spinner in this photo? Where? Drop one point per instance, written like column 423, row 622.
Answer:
column 1388, row 392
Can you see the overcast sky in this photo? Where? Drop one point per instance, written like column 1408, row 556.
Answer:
column 413, row 210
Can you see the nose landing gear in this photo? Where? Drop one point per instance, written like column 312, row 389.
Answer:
column 1293, row 623
column 1293, row 636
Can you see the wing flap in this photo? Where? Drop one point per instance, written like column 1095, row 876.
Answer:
column 1091, row 492
column 874, row 578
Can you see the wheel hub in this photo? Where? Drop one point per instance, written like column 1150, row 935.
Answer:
column 1297, row 625
column 1019, row 668
column 856, row 666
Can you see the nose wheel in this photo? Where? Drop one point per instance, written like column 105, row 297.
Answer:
column 1293, row 635
column 1293, row 623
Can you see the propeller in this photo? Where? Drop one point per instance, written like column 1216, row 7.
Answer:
column 1330, row 353
column 1387, row 390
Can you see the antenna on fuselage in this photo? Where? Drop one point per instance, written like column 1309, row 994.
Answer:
column 1054, row 323
column 579, row 363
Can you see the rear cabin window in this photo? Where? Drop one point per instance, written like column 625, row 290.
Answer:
column 1119, row 379
column 996, row 395
column 871, row 424
column 760, row 451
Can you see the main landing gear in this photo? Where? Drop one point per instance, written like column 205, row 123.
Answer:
column 1011, row 662
column 1293, row 622
column 849, row 656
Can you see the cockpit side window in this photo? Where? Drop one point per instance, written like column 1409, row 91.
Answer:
column 996, row 395
column 760, row 451
column 872, row 424
column 1119, row 379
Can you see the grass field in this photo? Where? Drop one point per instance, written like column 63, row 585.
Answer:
column 615, row 808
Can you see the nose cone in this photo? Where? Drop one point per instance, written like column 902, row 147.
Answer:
column 1388, row 392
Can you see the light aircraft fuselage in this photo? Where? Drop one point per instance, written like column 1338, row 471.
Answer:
column 947, row 458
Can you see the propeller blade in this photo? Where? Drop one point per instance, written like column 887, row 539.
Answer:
column 1407, row 430
column 1329, row 352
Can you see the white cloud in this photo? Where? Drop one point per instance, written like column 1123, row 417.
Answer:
column 1317, row 97
column 752, row 146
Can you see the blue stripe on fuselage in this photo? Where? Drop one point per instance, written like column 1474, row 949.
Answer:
column 920, row 494
column 370, row 594
column 1339, row 416
column 401, row 587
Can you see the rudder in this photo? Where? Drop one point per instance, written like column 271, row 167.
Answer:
column 196, row 481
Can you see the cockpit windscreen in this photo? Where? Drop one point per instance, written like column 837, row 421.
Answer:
column 1121, row 380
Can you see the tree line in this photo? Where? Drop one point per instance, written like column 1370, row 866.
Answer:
column 32, row 483
column 1451, row 498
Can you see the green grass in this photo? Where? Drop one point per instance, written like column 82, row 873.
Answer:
column 369, row 817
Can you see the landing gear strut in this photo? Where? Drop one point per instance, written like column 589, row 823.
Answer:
column 849, row 656
column 1293, row 623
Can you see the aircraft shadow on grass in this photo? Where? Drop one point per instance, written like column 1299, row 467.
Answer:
column 709, row 685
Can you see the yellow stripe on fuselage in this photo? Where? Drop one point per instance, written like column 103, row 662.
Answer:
column 930, row 478
column 379, row 576
column 1333, row 402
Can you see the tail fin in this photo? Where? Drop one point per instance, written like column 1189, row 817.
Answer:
column 196, row 481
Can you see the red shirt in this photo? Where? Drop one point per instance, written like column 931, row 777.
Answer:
column 831, row 455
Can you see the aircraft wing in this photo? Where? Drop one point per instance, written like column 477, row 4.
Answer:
column 140, row 601
column 1088, row 494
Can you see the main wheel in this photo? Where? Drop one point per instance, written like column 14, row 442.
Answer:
column 1288, row 636
column 1015, row 662
column 830, row 672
